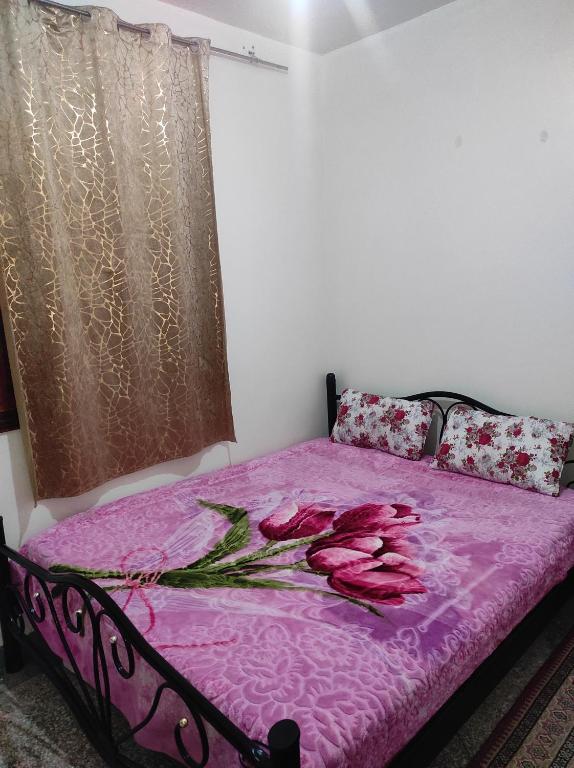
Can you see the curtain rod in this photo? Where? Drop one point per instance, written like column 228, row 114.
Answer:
column 249, row 58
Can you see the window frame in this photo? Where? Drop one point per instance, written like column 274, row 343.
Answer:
column 9, row 418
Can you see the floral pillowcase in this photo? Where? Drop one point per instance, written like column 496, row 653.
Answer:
column 388, row 424
column 522, row 451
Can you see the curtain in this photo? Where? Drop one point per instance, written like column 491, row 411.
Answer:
column 111, row 282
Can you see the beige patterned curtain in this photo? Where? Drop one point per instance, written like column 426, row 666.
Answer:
column 108, row 246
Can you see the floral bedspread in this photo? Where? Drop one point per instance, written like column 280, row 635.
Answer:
column 348, row 589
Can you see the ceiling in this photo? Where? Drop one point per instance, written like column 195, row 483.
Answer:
column 317, row 25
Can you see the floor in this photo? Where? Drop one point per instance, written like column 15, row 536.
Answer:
column 37, row 731
column 467, row 741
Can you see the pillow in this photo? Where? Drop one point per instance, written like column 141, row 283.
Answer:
column 526, row 452
column 388, row 424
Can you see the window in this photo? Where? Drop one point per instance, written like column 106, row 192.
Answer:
column 8, row 415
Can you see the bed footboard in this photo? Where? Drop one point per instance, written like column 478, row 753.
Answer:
column 76, row 610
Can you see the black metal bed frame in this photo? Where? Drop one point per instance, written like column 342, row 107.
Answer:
column 333, row 398
column 78, row 607
column 438, row 731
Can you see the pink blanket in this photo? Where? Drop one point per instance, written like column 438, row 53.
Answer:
column 447, row 564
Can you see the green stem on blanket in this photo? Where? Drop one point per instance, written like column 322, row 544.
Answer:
column 243, row 566
column 362, row 604
column 87, row 572
column 184, row 578
column 236, row 538
column 271, row 549
column 258, row 567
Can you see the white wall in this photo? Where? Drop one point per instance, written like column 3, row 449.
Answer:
column 265, row 155
column 449, row 204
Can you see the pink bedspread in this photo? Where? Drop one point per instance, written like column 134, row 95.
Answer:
column 359, row 685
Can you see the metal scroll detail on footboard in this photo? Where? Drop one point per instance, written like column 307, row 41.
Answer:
column 77, row 610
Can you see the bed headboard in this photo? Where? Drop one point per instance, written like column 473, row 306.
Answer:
column 333, row 398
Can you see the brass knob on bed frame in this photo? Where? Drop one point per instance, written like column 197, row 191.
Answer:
column 184, row 722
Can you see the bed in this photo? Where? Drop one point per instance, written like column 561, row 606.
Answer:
column 199, row 610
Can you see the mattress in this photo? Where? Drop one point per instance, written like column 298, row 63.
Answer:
column 473, row 558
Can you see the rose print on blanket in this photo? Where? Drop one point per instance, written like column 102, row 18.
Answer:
column 362, row 556
column 367, row 556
